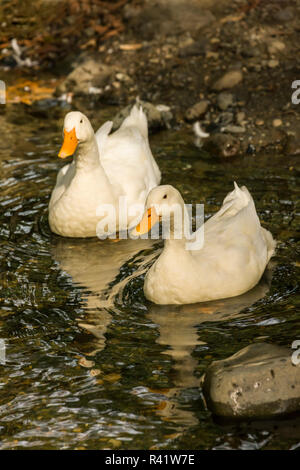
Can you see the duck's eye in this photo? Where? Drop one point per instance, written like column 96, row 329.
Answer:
column 81, row 121
column 165, row 196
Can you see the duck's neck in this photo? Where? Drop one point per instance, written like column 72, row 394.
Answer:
column 87, row 158
column 177, row 238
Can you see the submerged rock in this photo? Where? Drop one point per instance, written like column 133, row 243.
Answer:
column 158, row 116
column 222, row 145
column 258, row 381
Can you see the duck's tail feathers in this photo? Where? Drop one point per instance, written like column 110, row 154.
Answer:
column 235, row 201
column 137, row 118
column 102, row 134
column 270, row 242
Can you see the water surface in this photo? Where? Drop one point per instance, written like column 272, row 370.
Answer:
column 90, row 363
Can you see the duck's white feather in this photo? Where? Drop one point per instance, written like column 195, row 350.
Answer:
column 102, row 135
column 127, row 158
column 104, row 168
column 234, row 255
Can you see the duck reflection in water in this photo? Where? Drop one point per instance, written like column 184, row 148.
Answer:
column 94, row 265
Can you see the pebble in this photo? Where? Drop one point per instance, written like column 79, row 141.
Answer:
column 225, row 118
column 276, row 46
column 224, row 100
column 229, row 80
column 273, row 63
column 197, row 110
column 284, row 14
column 240, row 117
column 259, row 122
column 234, row 129
column 277, row 122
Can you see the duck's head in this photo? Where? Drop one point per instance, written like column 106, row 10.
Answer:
column 163, row 203
column 77, row 130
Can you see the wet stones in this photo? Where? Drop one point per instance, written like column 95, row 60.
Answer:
column 87, row 77
column 197, row 110
column 229, row 80
column 258, row 381
column 224, row 100
column 222, row 145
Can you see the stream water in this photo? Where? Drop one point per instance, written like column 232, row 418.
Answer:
column 90, row 363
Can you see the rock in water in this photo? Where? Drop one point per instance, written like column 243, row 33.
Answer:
column 222, row 145
column 258, row 381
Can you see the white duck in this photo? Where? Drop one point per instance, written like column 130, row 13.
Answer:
column 234, row 255
column 105, row 167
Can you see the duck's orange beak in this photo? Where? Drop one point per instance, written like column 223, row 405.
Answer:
column 150, row 218
column 69, row 144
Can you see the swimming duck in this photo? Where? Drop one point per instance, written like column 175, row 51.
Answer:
column 235, row 252
column 104, row 168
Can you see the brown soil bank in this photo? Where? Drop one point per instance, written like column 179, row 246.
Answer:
column 229, row 64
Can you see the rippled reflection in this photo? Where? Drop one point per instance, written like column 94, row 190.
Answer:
column 92, row 364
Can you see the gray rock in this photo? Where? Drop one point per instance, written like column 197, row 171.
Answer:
column 194, row 49
column 158, row 116
column 225, row 118
column 293, row 145
column 169, row 18
column 229, row 80
column 197, row 110
column 88, row 76
column 224, row 100
column 285, row 14
column 258, row 381
column 222, row 145
column 234, row 129
column 240, row 117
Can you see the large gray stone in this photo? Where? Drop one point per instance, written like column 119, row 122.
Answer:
column 90, row 74
column 258, row 381
column 169, row 17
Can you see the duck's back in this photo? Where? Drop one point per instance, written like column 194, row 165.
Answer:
column 234, row 255
column 127, row 159
column 236, row 247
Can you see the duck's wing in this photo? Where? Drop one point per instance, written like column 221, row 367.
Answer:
column 237, row 224
column 63, row 179
column 102, row 135
column 127, row 159
column 235, row 201
column 137, row 119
